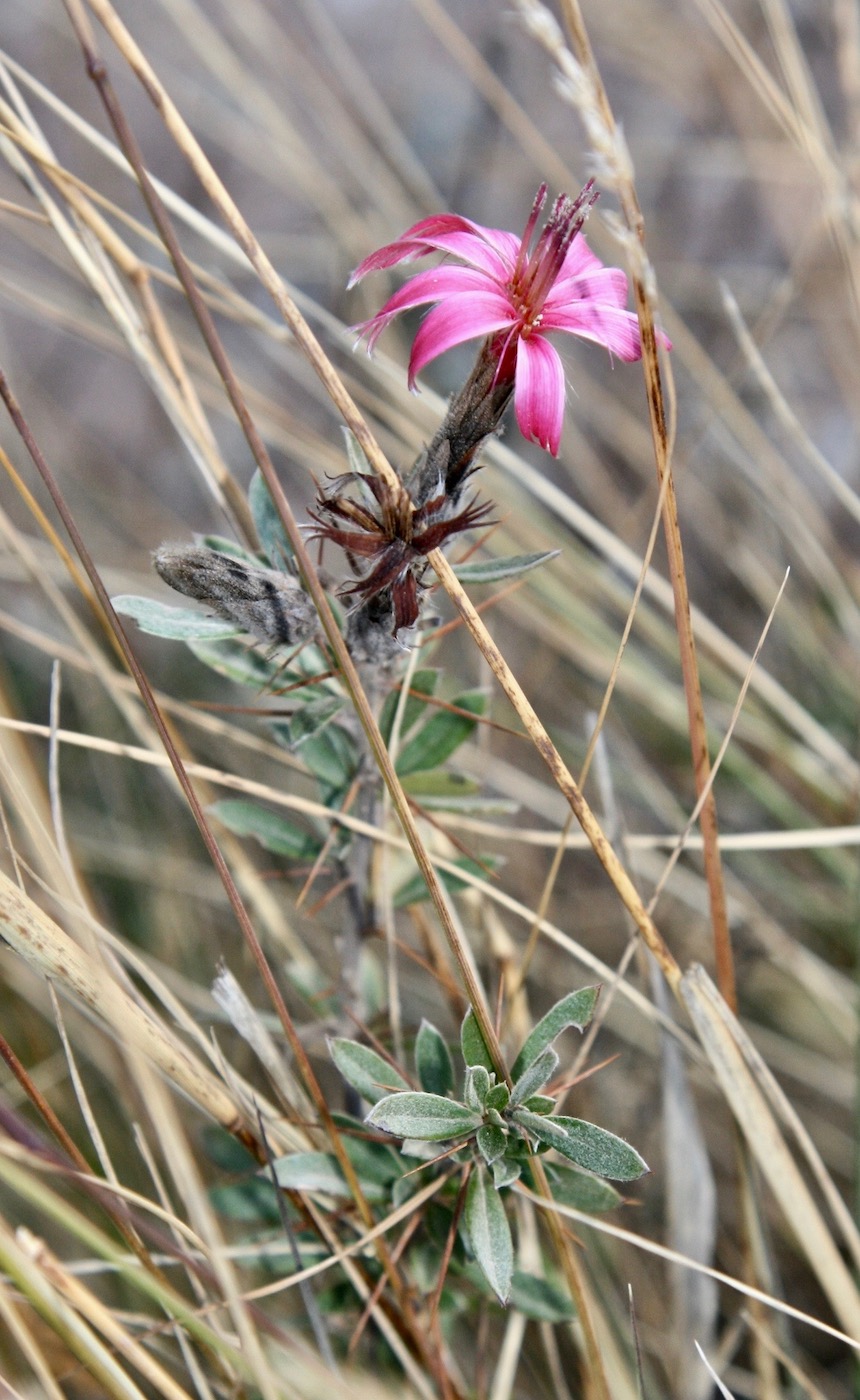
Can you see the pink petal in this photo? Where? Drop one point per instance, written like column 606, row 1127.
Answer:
column 457, row 319
column 579, row 259
column 606, row 284
column 539, row 392
column 409, row 246
column 474, row 251
column 493, row 250
column 435, row 284
column 607, row 325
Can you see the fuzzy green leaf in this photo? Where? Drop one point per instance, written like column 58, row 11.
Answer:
column 490, row 1233
column 319, row 1171
column 433, row 1061
column 540, row 1103
column 226, row 1151
column 491, row 1142
column 356, row 455
column 375, row 1164
column 472, row 1043
column 498, row 1098
column 506, row 1171
column 495, row 570
column 443, row 733
column 585, row 1144
column 442, row 784
column 273, row 537
column 576, row 1009
column 539, row 1299
column 332, row 757
column 574, row 1188
column 312, row 719
column 220, row 544
column 373, row 1161
column 253, row 1202
column 532, row 1079
column 427, row 1117
column 177, row 624
column 366, row 1071
column 274, row 832
column 237, row 661
column 477, row 1086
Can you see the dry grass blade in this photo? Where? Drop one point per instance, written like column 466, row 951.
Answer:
column 22, row 1261
column 724, row 1042
column 43, row 945
column 627, row 892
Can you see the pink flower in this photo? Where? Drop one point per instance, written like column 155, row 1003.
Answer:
column 516, row 295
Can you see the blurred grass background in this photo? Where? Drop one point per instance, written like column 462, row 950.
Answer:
column 336, row 125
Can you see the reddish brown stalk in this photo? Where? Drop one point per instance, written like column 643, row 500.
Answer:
column 723, row 956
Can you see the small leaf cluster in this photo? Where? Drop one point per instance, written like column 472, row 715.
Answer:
column 495, row 1128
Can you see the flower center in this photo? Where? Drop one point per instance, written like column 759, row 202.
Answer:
column 535, row 272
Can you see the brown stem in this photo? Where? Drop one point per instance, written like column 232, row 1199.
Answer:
column 723, row 955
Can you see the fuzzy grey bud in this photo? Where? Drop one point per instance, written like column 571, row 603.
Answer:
column 269, row 605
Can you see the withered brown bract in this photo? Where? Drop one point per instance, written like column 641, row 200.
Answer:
column 269, row 605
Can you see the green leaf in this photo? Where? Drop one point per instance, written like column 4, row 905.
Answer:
column 177, row 624
column 441, row 784
column 433, row 1061
column 490, row 1234
column 586, row 1144
column 477, row 1086
column 332, row 757
column 472, row 1043
column 532, row 1080
column 539, row 1299
column 498, row 1098
column 356, row 455
column 428, row 1117
column 414, row 890
column 313, row 717
column 494, row 570
column 221, row 545
column 441, row 735
column 273, row 537
column 424, row 683
column 373, row 1161
column 274, row 832
column 492, row 1142
column 576, row 1009
column 237, row 661
column 540, row 1103
column 310, row 1171
column 366, row 1071
column 574, row 1188
column 253, row 1202
column 505, row 1172
column 226, row 1151
column 319, row 1171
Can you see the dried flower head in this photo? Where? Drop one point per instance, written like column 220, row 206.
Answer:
column 387, row 538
